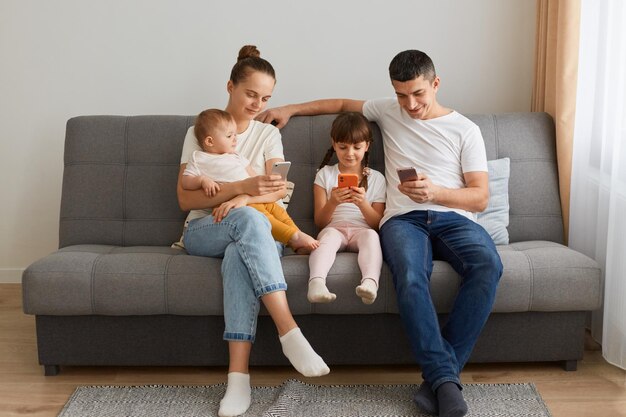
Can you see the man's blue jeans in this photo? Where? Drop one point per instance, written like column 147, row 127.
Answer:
column 251, row 266
column 410, row 242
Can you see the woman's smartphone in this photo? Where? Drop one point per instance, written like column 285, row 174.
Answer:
column 407, row 174
column 347, row 180
column 281, row 168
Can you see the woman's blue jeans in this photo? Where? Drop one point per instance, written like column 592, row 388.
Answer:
column 251, row 266
column 410, row 242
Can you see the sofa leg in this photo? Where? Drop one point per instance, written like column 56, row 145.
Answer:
column 570, row 365
column 51, row 370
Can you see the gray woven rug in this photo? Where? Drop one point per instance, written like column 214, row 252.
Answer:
column 296, row 399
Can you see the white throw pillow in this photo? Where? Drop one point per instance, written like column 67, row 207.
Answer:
column 495, row 218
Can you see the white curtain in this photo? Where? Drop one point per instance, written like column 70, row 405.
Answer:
column 598, row 189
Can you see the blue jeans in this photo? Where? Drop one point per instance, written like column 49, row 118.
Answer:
column 251, row 266
column 410, row 242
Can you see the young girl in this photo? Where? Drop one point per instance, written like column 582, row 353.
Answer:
column 349, row 216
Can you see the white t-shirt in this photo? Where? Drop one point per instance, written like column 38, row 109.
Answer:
column 258, row 143
column 443, row 148
column 327, row 179
column 225, row 167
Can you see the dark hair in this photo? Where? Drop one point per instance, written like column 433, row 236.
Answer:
column 352, row 128
column 249, row 61
column 207, row 121
column 410, row 64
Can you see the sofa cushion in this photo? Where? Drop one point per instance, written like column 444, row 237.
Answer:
column 495, row 218
column 144, row 280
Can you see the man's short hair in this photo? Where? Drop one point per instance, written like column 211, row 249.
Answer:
column 410, row 64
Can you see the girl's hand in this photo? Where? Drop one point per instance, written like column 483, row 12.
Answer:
column 357, row 196
column 340, row 195
column 222, row 210
column 209, row 186
column 263, row 184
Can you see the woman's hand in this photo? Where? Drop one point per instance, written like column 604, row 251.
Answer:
column 263, row 184
column 421, row 190
column 222, row 210
column 278, row 116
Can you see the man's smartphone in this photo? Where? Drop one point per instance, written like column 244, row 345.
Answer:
column 347, row 180
column 407, row 174
column 281, row 168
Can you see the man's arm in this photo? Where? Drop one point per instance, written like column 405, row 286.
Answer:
column 281, row 115
column 473, row 197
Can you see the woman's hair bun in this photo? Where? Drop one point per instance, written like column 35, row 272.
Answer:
column 248, row 51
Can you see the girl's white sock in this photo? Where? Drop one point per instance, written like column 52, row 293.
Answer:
column 318, row 292
column 237, row 398
column 301, row 355
column 367, row 290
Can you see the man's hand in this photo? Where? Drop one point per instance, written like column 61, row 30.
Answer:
column 209, row 186
column 279, row 116
column 421, row 190
column 263, row 184
column 222, row 210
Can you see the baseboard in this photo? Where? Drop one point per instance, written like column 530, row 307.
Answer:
column 11, row 275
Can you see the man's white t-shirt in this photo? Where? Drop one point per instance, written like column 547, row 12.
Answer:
column 444, row 148
column 327, row 179
column 258, row 143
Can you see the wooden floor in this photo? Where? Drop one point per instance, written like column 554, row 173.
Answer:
column 596, row 389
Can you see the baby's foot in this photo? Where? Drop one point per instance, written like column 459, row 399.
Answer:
column 318, row 292
column 367, row 290
column 301, row 355
column 302, row 243
column 238, row 395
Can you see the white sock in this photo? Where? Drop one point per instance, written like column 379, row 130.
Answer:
column 318, row 292
column 237, row 398
column 367, row 290
column 301, row 355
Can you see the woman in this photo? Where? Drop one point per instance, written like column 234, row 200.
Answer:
column 251, row 268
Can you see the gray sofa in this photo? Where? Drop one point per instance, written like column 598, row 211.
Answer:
column 116, row 293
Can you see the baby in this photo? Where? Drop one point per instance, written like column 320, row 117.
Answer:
column 218, row 161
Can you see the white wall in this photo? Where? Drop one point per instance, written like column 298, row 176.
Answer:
column 65, row 58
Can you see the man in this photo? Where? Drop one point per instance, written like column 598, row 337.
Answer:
column 429, row 217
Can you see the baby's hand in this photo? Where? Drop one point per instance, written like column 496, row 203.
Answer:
column 209, row 186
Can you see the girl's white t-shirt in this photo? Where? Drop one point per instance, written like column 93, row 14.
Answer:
column 349, row 212
column 443, row 148
column 258, row 143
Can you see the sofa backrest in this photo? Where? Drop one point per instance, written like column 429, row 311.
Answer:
column 119, row 179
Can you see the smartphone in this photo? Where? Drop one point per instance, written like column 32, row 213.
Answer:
column 281, row 168
column 347, row 180
column 407, row 174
